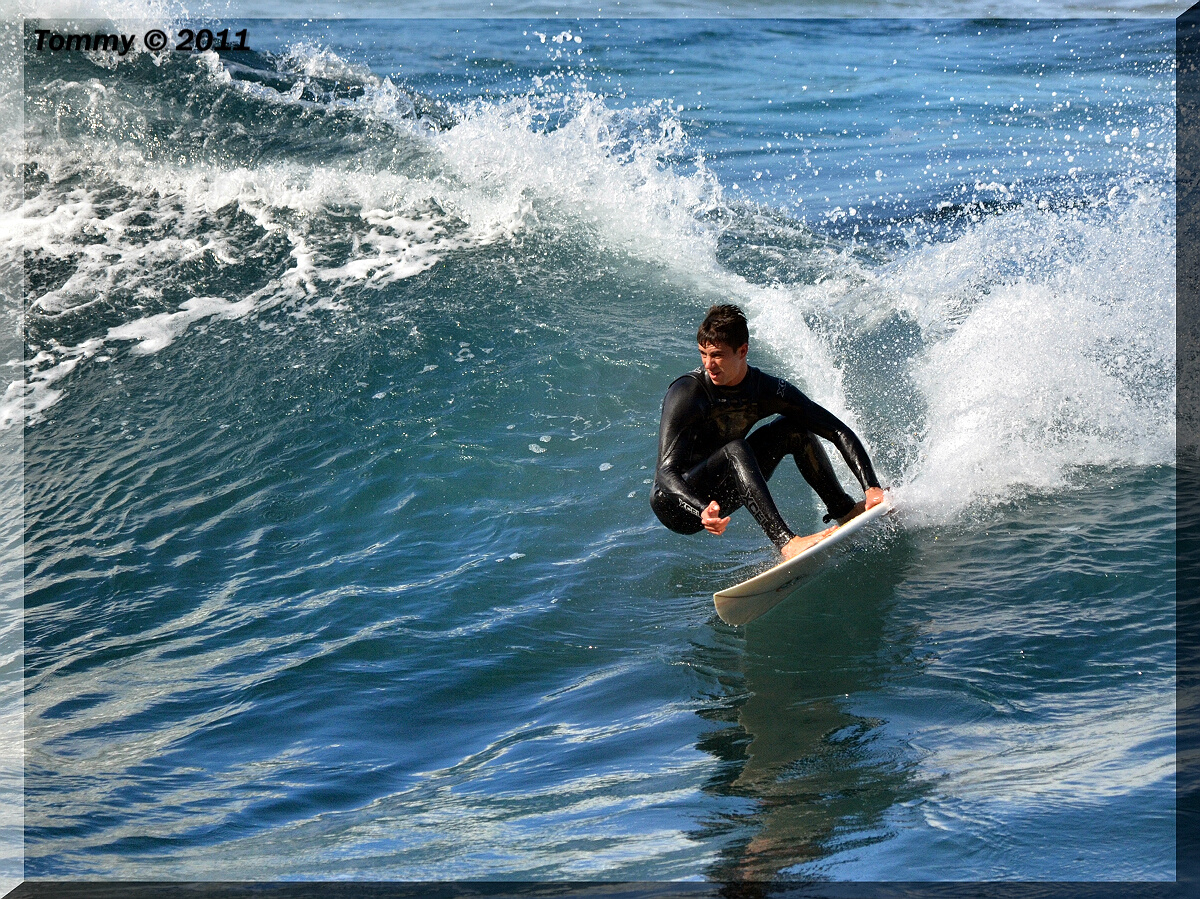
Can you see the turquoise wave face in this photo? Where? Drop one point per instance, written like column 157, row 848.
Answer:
column 342, row 372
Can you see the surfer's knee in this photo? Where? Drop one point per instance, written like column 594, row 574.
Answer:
column 675, row 515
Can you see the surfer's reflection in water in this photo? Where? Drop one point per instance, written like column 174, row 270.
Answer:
column 708, row 461
column 821, row 774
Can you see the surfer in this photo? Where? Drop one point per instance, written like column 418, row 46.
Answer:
column 709, row 461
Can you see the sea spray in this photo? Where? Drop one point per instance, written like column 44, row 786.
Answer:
column 1048, row 348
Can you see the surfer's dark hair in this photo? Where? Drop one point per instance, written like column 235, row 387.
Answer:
column 724, row 324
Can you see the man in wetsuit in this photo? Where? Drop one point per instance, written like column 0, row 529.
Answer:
column 709, row 462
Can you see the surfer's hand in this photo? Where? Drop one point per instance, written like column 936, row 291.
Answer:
column 712, row 520
column 874, row 497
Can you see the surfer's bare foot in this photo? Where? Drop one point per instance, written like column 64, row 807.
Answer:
column 873, row 498
column 797, row 545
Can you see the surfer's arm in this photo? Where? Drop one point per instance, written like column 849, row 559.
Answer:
column 796, row 406
column 677, row 434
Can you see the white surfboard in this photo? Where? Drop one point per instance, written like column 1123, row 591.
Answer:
column 758, row 595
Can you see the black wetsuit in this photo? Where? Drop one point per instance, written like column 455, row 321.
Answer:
column 704, row 452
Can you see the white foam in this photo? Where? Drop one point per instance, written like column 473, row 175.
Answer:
column 402, row 234
column 312, row 60
column 601, row 171
column 30, row 397
column 157, row 331
column 1050, row 346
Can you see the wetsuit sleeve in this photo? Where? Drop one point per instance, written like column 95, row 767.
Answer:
column 682, row 411
column 786, row 400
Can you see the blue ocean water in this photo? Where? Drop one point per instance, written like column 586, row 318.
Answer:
column 342, row 368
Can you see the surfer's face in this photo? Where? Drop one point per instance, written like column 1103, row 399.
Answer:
column 725, row 366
